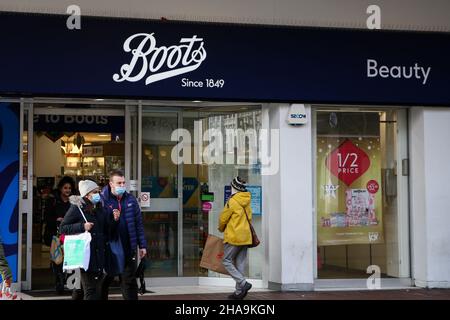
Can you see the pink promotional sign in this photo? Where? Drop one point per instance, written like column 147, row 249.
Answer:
column 373, row 186
column 207, row 206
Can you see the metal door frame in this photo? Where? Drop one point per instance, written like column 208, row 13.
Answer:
column 165, row 204
column 25, row 205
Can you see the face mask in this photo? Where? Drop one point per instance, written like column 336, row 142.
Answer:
column 95, row 198
column 120, row 191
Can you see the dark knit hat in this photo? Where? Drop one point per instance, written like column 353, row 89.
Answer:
column 239, row 184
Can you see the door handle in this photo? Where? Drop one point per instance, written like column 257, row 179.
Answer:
column 405, row 167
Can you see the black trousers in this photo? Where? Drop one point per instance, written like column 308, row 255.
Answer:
column 128, row 282
column 92, row 285
column 60, row 278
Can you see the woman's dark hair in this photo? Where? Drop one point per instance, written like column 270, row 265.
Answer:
column 64, row 180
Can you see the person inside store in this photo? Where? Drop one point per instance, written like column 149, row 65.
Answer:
column 131, row 237
column 58, row 205
column 100, row 226
column 234, row 221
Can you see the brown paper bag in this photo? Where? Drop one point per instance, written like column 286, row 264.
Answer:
column 213, row 254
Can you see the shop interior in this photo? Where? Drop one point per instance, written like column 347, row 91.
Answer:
column 80, row 155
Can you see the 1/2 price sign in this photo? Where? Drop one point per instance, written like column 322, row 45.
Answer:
column 348, row 162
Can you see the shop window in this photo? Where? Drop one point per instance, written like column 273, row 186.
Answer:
column 206, row 185
column 359, row 221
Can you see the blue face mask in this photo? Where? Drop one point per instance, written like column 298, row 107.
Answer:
column 95, row 198
column 120, row 191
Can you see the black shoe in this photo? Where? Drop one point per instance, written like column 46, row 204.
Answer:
column 77, row 294
column 245, row 289
column 243, row 293
column 234, row 296
column 59, row 288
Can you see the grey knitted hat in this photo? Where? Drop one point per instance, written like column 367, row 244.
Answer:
column 86, row 186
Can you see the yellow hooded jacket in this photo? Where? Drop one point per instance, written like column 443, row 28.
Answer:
column 232, row 220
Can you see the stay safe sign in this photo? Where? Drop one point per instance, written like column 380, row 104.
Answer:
column 348, row 162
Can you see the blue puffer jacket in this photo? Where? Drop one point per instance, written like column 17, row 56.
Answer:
column 131, row 212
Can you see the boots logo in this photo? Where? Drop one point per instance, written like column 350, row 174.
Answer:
column 160, row 62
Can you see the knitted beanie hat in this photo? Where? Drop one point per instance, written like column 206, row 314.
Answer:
column 239, row 184
column 86, row 186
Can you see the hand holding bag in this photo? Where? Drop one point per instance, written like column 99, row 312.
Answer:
column 255, row 240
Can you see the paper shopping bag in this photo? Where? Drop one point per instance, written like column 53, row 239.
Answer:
column 213, row 254
column 77, row 251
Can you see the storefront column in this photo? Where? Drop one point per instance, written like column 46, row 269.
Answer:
column 429, row 175
column 288, row 204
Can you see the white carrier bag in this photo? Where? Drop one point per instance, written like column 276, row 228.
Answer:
column 77, row 249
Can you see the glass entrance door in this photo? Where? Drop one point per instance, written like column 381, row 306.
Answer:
column 66, row 140
column 160, row 177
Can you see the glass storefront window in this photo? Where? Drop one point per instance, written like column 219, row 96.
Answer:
column 159, row 173
column 358, row 215
column 161, row 232
column 212, row 180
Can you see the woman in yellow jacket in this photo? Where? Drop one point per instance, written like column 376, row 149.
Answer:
column 237, row 235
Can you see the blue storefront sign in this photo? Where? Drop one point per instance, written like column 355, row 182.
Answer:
column 9, row 186
column 178, row 60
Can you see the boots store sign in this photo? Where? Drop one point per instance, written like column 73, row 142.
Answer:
column 77, row 123
column 146, row 57
column 143, row 59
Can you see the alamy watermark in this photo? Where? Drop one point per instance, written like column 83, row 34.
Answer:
column 230, row 146
column 374, row 281
column 74, row 280
column 74, row 20
column 374, row 20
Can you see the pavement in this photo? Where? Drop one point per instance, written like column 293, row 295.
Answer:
column 221, row 293
column 414, row 294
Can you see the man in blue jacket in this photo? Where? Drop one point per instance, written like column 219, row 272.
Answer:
column 131, row 233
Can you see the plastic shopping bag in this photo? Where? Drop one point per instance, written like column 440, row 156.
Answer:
column 77, row 251
column 213, row 254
